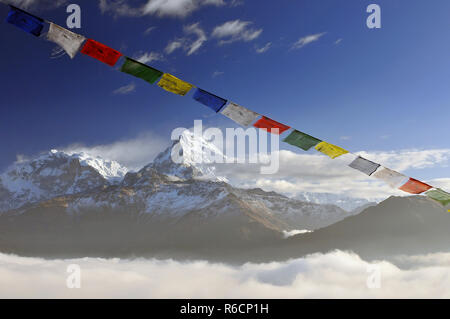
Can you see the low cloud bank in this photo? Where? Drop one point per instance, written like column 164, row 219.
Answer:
column 333, row 275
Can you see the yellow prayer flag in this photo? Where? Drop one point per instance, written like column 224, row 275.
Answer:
column 173, row 84
column 331, row 150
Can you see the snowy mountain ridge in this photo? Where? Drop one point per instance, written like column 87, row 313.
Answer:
column 54, row 174
column 163, row 190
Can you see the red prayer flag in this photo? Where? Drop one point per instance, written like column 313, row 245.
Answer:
column 414, row 186
column 101, row 52
column 267, row 124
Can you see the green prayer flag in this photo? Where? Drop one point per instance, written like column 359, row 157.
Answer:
column 439, row 195
column 302, row 140
column 140, row 70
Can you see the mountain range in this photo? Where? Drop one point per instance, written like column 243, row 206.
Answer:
column 61, row 201
column 63, row 204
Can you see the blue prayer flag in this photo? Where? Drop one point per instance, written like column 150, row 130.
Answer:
column 210, row 100
column 25, row 21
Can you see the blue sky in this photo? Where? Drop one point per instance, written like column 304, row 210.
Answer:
column 363, row 89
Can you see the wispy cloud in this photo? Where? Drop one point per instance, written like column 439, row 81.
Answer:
column 236, row 3
column 133, row 153
column 127, row 89
column 264, row 48
column 189, row 44
column 300, row 43
column 338, row 41
column 147, row 57
column 160, row 8
column 174, row 45
column 201, row 37
column 149, row 30
column 236, row 30
column 217, row 73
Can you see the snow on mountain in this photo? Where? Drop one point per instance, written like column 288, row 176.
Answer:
column 164, row 189
column 54, row 174
column 110, row 170
column 166, row 204
column 193, row 157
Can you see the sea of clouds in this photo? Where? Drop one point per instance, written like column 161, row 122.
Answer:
column 334, row 275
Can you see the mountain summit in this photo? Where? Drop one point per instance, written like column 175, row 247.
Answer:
column 192, row 159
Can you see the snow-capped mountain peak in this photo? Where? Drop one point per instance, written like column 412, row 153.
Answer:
column 55, row 173
column 189, row 157
column 110, row 170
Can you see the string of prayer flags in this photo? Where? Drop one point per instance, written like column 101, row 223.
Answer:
column 72, row 42
column 331, row 150
column 173, row 84
column 413, row 186
column 210, row 100
column 25, row 21
column 302, row 140
column 240, row 114
column 101, row 52
column 140, row 70
column 68, row 40
column 363, row 165
column 393, row 178
column 268, row 125
column 439, row 195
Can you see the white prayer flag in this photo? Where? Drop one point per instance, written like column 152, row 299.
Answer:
column 240, row 114
column 68, row 40
column 393, row 178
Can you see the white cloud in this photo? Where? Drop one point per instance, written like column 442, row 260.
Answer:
column 319, row 174
column 217, row 73
column 410, row 159
column 147, row 57
column 201, row 37
column 149, row 29
column 132, row 153
column 338, row 41
column 161, row 8
column 333, row 275
column 189, row 45
column 265, row 48
column 174, row 45
column 298, row 172
column 236, row 3
column 236, row 30
column 307, row 40
column 127, row 89
column 443, row 183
